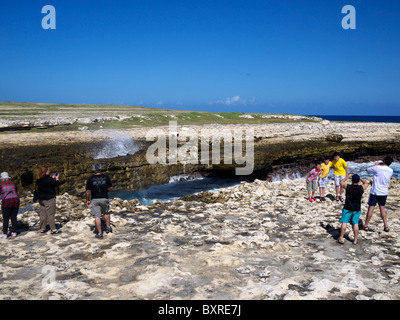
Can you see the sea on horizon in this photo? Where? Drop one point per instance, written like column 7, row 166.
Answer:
column 385, row 119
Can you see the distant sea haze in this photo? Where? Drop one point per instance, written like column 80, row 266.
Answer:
column 387, row 119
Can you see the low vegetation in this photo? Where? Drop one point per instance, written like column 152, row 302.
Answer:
column 123, row 117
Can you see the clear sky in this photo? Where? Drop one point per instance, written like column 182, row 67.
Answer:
column 289, row 56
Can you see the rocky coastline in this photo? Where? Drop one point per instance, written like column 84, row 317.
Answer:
column 259, row 240
column 276, row 146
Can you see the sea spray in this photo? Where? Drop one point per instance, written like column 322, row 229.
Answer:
column 354, row 168
column 185, row 177
column 117, row 144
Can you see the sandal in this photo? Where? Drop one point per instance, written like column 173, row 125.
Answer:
column 386, row 229
column 367, row 229
column 337, row 198
column 340, row 242
column 341, row 199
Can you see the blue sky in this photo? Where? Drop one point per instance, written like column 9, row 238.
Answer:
column 238, row 55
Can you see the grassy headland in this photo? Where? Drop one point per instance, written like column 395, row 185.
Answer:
column 125, row 117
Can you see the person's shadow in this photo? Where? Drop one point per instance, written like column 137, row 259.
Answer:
column 335, row 232
column 103, row 226
column 330, row 197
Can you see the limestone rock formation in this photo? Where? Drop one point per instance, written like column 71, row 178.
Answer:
column 264, row 241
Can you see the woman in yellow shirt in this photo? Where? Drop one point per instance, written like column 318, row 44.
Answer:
column 340, row 171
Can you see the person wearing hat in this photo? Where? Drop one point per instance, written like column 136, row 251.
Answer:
column 9, row 204
column 351, row 211
column 97, row 188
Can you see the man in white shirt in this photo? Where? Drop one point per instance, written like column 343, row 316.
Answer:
column 380, row 190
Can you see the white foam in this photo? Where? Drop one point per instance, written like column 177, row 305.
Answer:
column 118, row 144
column 184, row 177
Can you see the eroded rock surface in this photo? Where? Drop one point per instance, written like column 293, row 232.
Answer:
column 260, row 240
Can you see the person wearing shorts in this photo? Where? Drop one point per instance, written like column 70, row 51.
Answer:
column 379, row 191
column 97, row 188
column 323, row 178
column 351, row 211
column 311, row 181
column 340, row 172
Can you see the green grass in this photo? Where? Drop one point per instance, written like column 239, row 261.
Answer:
column 135, row 116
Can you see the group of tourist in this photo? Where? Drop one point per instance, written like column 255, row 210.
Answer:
column 320, row 173
column 97, row 188
column 351, row 210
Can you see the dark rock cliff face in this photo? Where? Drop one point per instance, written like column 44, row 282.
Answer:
column 133, row 172
column 74, row 163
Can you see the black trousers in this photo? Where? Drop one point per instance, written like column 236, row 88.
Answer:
column 7, row 214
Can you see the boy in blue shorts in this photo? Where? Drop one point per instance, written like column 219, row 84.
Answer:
column 352, row 207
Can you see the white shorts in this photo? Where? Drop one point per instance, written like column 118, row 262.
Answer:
column 338, row 179
column 322, row 182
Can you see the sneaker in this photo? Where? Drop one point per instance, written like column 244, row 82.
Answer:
column 14, row 234
column 3, row 236
column 108, row 229
column 99, row 236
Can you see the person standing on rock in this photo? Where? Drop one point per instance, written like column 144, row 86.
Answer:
column 46, row 188
column 379, row 191
column 97, row 188
column 9, row 204
column 351, row 211
column 311, row 181
column 341, row 170
column 323, row 177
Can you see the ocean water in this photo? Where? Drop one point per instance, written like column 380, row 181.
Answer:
column 354, row 168
column 387, row 119
column 184, row 185
column 179, row 186
column 359, row 168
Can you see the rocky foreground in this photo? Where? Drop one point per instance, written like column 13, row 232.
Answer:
column 258, row 240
